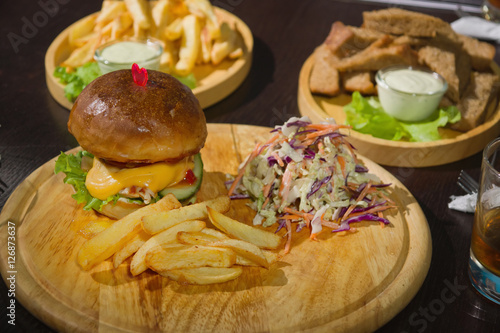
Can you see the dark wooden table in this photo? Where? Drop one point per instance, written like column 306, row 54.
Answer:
column 33, row 130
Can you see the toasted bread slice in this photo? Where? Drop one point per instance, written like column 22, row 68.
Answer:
column 346, row 41
column 398, row 21
column 481, row 53
column 359, row 81
column 324, row 76
column 380, row 54
column 453, row 66
column 481, row 96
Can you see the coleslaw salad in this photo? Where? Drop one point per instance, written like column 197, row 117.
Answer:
column 308, row 175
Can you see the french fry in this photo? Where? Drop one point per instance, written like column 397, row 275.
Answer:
column 80, row 42
column 206, row 45
column 204, row 8
column 138, row 264
column 261, row 238
column 162, row 259
column 82, row 55
column 110, row 11
column 167, row 61
column 121, row 24
column 81, row 29
column 155, row 223
column 174, row 30
column 203, row 275
column 271, row 258
column 95, row 227
column 190, row 45
column 130, row 248
column 224, row 44
column 161, row 15
column 141, row 12
column 110, row 240
column 245, row 249
column 195, row 238
column 106, row 30
column 215, row 233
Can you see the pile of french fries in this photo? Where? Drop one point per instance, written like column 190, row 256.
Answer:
column 174, row 241
column 190, row 31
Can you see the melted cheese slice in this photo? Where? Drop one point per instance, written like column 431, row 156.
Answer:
column 104, row 180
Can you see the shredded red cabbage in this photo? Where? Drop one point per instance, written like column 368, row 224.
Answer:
column 344, row 225
column 239, row 196
column 298, row 123
column 360, row 168
column 317, row 185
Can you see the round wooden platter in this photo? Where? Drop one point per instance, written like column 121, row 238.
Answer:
column 350, row 282
column 214, row 82
column 455, row 145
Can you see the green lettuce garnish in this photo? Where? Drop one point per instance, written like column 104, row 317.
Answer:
column 188, row 80
column 71, row 166
column 367, row 116
column 78, row 79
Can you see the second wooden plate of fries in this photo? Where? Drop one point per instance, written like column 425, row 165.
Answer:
column 344, row 282
column 223, row 60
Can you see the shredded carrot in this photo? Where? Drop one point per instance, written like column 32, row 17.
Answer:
column 278, row 159
column 291, row 217
column 342, row 165
column 264, row 204
column 288, row 243
column 272, row 139
column 382, row 224
column 365, row 191
column 313, row 135
column 321, row 148
column 267, row 188
column 236, row 181
column 332, row 127
column 329, row 224
column 360, row 197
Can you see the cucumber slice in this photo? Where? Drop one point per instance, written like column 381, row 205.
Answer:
column 185, row 192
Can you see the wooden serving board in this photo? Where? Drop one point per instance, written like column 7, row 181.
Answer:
column 351, row 282
column 214, row 82
column 454, row 147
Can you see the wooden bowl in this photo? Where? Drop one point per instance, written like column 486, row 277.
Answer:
column 214, row 82
column 455, row 145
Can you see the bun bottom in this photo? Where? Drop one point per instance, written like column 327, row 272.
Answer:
column 119, row 209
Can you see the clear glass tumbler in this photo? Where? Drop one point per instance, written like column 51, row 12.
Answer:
column 484, row 262
column 491, row 10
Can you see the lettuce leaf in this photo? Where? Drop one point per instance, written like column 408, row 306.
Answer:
column 75, row 176
column 78, row 79
column 188, row 80
column 367, row 116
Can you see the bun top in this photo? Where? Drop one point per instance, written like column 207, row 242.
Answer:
column 117, row 120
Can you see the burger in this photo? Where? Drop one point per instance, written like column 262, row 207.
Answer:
column 140, row 142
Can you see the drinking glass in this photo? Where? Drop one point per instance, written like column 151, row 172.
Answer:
column 491, row 10
column 484, row 262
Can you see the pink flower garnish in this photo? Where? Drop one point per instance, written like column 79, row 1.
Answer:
column 140, row 75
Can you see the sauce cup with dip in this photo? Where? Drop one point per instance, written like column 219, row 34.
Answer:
column 122, row 54
column 408, row 93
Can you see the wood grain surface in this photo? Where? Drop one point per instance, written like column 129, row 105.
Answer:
column 353, row 282
column 214, row 82
column 453, row 147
